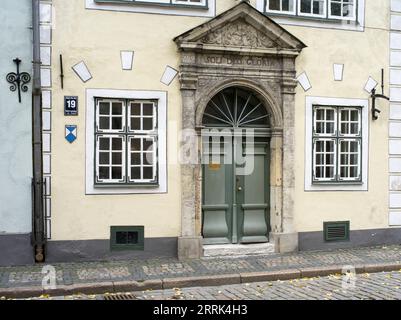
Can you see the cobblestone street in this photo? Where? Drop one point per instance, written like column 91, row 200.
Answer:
column 381, row 286
column 373, row 286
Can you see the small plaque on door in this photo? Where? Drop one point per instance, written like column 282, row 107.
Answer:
column 214, row 166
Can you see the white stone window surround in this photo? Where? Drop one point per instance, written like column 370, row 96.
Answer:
column 207, row 9
column 161, row 97
column 288, row 18
column 346, row 102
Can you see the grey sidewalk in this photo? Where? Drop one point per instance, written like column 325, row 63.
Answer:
column 137, row 275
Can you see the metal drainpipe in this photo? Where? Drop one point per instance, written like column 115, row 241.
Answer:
column 38, row 227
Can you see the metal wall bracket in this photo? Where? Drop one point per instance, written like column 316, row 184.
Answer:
column 375, row 96
column 18, row 80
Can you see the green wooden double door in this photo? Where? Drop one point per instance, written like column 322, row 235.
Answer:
column 235, row 202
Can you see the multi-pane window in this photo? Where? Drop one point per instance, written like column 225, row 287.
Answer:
column 337, row 143
column 126, row 141
column 285, row 6
column 342, row 9
column 329, row 9
column 312, row 7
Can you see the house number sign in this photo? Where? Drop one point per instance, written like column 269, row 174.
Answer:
column 70, row 105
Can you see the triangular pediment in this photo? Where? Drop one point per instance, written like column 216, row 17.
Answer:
column 240, row 27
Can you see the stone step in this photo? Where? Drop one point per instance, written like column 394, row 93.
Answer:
column 237, row 250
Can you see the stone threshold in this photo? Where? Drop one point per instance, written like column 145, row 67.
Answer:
column 237, row 250
column 196, row 281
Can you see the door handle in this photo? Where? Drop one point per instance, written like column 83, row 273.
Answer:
column 240, row 188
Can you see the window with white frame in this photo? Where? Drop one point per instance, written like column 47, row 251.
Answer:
column 126, row 139
column 312, row 8
column 342, row 9
column 197, row 8
column 325, row 9
column 337, row 144
column 281, row 6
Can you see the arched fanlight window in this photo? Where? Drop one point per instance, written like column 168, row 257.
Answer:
column 235, row 107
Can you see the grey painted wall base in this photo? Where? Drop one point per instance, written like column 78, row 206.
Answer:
column 95, row 250
column 358, row 238
column 15, row 249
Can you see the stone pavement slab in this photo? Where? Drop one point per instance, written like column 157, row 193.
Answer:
column 114, row 276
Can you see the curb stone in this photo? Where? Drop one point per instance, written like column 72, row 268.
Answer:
column 212, row 280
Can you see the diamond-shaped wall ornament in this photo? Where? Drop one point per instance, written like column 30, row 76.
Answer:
column 70, row 133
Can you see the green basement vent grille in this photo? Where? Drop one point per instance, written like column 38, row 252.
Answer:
column 336, row 231
column 126, row 238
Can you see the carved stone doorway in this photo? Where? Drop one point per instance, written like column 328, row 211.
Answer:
column 240, row 48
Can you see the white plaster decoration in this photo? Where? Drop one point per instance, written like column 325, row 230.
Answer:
column 45, row 12
column 396, row 5
column 48, row 229
column 46, row 120
column 396, row 22
column 48, row 208
column 46, row 142
column 82, row 71
column 46, row 99
column 395, row 94
column 304, row 81
column 395, row 40
column 395, row 111
column 395, row 76
column 168, row 75
column 196, row 11
column 46, row 163
column 161, row 97
column 395, row 200
column 394, row 165
column 394, row 147
column 338, row 70
column 310, row 101
column 395, row 58
column 394, row 218
column 45, row 34
column 395, row 183
column 45, row 77
column 395, row 129
column 370, row 85
column 46, row 19
column 48, row 185
column 45, row 55
column 127, row 59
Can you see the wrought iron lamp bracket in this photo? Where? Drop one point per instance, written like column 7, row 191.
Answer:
column 18, row 80
column 375, row 96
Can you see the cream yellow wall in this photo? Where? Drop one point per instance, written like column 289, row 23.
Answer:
column 363, row 54
column 97, row 38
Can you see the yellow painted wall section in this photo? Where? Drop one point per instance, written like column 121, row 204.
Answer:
column 97, row 37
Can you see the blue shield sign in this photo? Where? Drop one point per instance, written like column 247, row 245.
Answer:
column 70, row 133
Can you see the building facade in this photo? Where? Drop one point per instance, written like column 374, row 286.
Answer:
column 172, row 125
column 15, row 133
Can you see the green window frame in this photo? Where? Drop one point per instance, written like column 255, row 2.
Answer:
column 337, row 144
column 127, row 238
column 126, row 142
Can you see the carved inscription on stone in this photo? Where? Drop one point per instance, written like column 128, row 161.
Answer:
column 245, row 61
